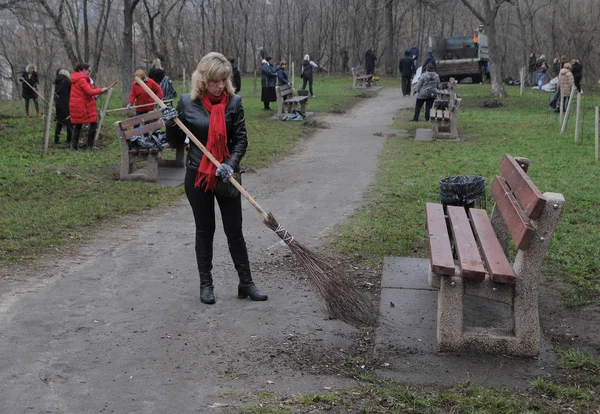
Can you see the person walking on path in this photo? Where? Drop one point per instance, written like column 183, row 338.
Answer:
column 282, row 75
column 29, row 84
column 577, row 69
column 406, row 71
column 236, row 78
column 565, row 84
column 215, row 115
column 430, row 60
column 139, row 98
column 82, row 105
column 268, row 81
column 414, row 55
column 62, row 96
column 427, row 90
column 370, row 58
column 306, row 73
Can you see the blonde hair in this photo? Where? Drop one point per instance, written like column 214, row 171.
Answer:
column 31, row 66
column 64, row 72
column 211, row 68
column 140, row 73
column 567, row 66
column 156, row 64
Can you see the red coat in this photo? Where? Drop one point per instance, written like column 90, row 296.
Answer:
column 139, row 97
column 82, row 105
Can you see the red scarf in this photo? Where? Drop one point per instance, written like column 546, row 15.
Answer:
column 216, row 143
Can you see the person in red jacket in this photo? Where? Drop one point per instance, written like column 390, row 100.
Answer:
column 138, row 97
column 82, row 105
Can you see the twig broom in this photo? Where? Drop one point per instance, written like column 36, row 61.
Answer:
column 342, row 298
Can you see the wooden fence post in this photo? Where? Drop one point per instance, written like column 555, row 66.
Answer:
column 564, row 124
column 103, row 115
column 596, row 127
column 522, row 75
column 562, row 108
column 577, row 115
column 184, row 80
column 48, row 119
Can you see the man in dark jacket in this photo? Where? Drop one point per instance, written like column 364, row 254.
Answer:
column 406, row 71
column 531, row 69
column 236, row 79
column 62, row 95
column 430, row 60
column 370, row 58
column 577, row 69
column 414, row 55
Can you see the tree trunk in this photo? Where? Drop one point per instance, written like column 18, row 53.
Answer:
column 127, row 74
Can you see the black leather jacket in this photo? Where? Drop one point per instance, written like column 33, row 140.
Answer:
column 196, row 118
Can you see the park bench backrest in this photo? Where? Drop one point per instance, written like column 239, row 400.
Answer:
column 152, row 119
column 286, row 91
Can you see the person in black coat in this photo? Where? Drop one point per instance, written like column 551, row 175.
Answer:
column 430, row 60
column 156, row 72
column 370, row 58
column 29, row 80
column 282, row 75
column 210, row 109
column 62, row 95
column 236, row 78
column 406, row 71
column 268, row 81
column 577, row 69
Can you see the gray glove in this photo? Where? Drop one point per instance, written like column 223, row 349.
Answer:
column 104, row 90
column 168, row 115
column 224, row 171
column 128, row 106
column 21, row 78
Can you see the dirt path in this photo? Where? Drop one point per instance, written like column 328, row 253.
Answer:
column 119, row 327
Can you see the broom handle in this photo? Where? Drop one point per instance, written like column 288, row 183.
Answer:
column 206, row 152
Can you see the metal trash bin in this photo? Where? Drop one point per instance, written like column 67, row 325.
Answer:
column 463, row 190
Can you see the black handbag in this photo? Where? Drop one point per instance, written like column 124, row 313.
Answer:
column 227, row 189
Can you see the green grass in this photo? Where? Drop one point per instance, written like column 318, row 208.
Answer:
column 50, row 199
column 392, row 221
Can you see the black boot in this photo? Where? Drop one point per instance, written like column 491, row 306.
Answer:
column 246, row 287
column 206, row 289
column 204, row 254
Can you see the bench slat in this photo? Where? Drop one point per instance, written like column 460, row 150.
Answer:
column 142, row 129
column 524, row 189
column 446, row 114
column 297, row 99
column 140, row 119
column 494, row 258
column 440, row 251
column 465, row 245
column 515, row 218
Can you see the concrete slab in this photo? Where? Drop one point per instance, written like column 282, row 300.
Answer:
column 423, row 134
column 406, row 344
column 171, row 177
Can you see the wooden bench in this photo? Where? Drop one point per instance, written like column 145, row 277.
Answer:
column 521, row 213
column 443, row 121
column 287, row 100
column 149, row 122
column 360, row 79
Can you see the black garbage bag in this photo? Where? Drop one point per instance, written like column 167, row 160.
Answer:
column 462, row 190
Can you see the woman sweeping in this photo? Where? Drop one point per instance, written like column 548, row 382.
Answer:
column 214, row 114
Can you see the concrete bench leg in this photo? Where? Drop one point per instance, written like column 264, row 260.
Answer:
column 450, row 314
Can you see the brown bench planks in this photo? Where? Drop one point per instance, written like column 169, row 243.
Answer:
column 515, row 218
column 496, row 262
column 526, row 192
column 142, row 129
column 440, row 250
column 465, row 244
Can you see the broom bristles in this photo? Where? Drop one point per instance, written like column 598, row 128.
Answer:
column 343, row 300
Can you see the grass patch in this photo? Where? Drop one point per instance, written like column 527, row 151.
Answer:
column 48, row 200
column 392, row 221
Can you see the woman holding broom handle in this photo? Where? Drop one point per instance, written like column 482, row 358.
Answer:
column 214, row 114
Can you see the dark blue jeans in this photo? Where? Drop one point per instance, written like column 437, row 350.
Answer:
column 428, row 104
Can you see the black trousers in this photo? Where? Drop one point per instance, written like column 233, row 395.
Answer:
column 428, row 104
column 406, row 85
column 203, row 207
column 77, row 133
column 58, row 128
column 577, row 81
column 35, row 103
column 308, row 80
